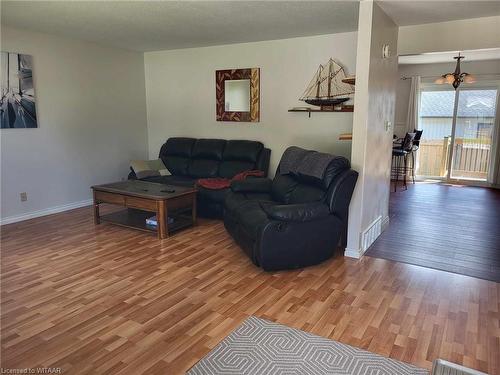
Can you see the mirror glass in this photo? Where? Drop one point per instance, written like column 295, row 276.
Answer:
column 237, row 95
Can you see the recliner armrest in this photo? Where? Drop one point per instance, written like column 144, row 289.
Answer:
column 252, row 185
column 297, row 212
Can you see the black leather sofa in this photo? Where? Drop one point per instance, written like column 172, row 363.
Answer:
column 189, row 159
column 292, row 221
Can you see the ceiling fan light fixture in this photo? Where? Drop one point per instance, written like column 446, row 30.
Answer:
column 469, row 78
column 457, row 77
column 440, row 81
column 449, row 78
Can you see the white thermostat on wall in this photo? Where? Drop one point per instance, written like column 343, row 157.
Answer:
column 386, row 52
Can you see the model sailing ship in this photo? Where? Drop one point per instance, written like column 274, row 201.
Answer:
column 326, row 89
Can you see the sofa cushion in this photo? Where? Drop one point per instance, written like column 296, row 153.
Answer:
column 252, row 185
column 306, row 193
column 212, row 195
column 178, row 146
column 175, row 154
column 142, row 169
column 233, row 201
column 177, row 165
column 228, row 169
column 252, row 217
column 259, row 196
column 243, row 150
column 334, row 168
column 148, row 168
column 208, row 149
column 282, row 188
column 203, row 168
column 158, row 165
column 297, row 213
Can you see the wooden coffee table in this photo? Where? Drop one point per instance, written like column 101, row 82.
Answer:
column 141, row 199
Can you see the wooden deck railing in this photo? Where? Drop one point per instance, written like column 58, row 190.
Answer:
column 471, row 157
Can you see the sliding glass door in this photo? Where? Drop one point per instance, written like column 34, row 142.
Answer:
column 474, row 130
column 436, row 120
column 458, row 132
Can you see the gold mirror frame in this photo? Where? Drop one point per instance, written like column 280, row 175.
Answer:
column 253, row 74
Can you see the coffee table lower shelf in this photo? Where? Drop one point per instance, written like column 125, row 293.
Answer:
column 134, row 218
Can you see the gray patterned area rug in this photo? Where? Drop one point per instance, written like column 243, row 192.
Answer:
column 261, row 347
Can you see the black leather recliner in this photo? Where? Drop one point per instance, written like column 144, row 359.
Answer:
column 189, row 159
column 292, row 221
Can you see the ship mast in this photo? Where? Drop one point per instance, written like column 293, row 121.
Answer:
column 330, row 77
column 318, row 84
column 327, row 86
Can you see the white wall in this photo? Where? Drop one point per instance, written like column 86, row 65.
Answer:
column 180, row 89
column 91, row 111
column 460, row 35
column 374, row 105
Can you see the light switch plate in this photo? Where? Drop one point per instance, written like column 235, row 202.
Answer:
column 386, row 51
column 388, row 126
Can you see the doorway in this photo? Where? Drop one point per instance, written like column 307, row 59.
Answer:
column 459, row 129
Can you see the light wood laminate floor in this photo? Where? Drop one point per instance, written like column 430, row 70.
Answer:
column 110, row 300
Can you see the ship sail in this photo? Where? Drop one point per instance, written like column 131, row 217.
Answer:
column 326, row 87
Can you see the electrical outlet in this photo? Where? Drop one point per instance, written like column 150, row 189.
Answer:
column 388, row 126
column 24, row 196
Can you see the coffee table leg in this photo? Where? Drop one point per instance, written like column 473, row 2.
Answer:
column 161, row 217
column 97, row 219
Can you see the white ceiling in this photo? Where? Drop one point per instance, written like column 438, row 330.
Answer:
column 443, row 57
column 159, row 25
column 416, row 12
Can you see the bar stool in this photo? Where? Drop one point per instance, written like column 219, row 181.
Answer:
column 400, row 159
column 414, row 149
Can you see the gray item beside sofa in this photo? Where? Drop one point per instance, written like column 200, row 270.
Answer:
column 189, row 159
column 291, row 159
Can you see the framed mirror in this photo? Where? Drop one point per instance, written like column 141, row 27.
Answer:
column 238, row 95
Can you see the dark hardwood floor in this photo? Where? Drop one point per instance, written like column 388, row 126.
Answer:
column 451, row 228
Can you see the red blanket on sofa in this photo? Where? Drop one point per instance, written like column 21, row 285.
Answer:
column 219, row 183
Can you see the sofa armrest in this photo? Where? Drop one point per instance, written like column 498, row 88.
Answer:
column 252, row 185
column 297, row 212
column 340, row 193
column 263, row 161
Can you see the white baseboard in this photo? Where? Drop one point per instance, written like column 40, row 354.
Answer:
column 353, row 253
column 368, row 237
column 371, row 233
column 44, row 212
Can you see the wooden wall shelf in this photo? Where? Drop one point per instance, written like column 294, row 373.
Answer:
column 345, row 137
column 344, row 108
column 350, row 80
